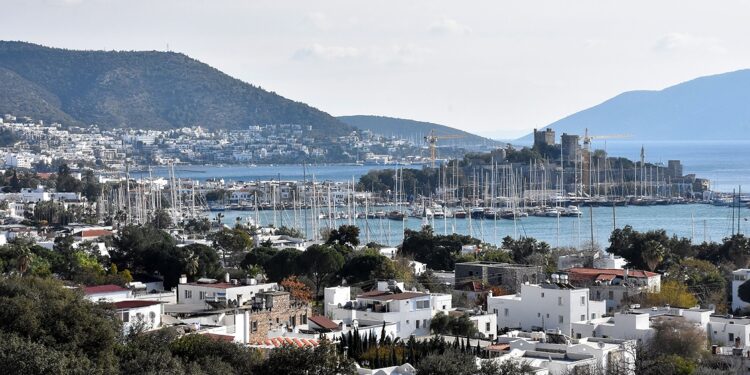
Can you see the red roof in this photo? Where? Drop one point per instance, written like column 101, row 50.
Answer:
column 283, row 341
column 398, row 296
column 88, row 233
column 373, row 293
column 323, row 322
column 218, row 337
column 120, row 305
column 99, row 289
column 580, row 273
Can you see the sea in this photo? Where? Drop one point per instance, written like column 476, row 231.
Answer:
column 725, row 163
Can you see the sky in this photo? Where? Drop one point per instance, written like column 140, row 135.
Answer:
column 496, row 68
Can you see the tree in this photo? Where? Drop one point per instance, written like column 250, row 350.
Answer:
column 321, row 360
column 702, row 276
column 320, row 264
column 65, row 181
column 201, row 259
column 437, row 251
column 672, row 293
column 287, row 231
column 440, row 324
column 524, row 249
column 284, row 263
column 233, row 241
column 25, row 356
column 297, row 289
column 346, row 235
column 653, row 253
column 161, row 219
column 367, row 265
column 451, row 362
column 258, row 256
column 35, row 309
column 507, row 367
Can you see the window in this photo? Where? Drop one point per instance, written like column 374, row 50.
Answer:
column 152, row 317
column 578, row 335
column 495, row 311
column 560, row 319
column 583, row 317
column 593, row 315
column 487, row 326
column 547, row 315
column 542, row 294
column 731, row 337
column 407, row 321
column 583, row 300
column 417, row 323
column 254, row 326
column 424, row 323
column 423, row 304
column 125, row 316
column 598, row 295
column 538, row 315
column 471, row 273
column 559, row 301
column 506, row 312
column 611, row 295
column 188, row 294
column 201, row 295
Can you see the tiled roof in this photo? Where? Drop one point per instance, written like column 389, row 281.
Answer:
column 95, row 233
column 324, row 322
column 134, row 304
column 98, row 289
column 592, row 273
column 398, row 296
column 218, row 337
column 283, row 341
column 373, row 293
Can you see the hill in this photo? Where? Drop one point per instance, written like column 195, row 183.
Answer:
column 415, row 130
column 156, row 90
column 706, row 108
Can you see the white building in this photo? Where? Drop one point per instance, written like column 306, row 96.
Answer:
column 106, row 293
column 738, row 278
column 209, row 290
column 545, row 306
column 139, row 313
column 485, row 323
column 637, row 323
column 411, row 311
column 560, row 356
column 729, row 331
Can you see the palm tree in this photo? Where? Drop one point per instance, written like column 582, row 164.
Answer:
column 192, row 265
column 652, row 254
column 23, row 259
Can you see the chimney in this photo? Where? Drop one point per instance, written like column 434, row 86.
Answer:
column 625, row 275
column 226, row 277
column 183, row 279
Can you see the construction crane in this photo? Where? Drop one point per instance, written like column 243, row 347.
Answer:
column 586, row 178
column 432, row 140
column 588, row 138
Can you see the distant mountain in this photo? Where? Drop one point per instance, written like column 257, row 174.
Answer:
column 156, row 90
column 714, row 107
column 415, row 130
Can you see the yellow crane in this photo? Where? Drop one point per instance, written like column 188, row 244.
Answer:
column 588, row 138
column 432, row 140
column 586, row 183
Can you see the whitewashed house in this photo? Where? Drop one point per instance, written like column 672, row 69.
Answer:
column 106, row 293
column 545, row 306
column 139, row 314
column 411, row 311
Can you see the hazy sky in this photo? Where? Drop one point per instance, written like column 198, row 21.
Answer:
column 497, row 68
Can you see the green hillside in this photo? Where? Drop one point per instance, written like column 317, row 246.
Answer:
column 156, row 90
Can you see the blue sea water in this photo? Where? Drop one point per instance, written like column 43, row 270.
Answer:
column 726, row 164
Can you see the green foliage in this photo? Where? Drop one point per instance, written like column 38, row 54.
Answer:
column 652, row 250
column 287, row 231
column 450, row 362
column 458, row 326
column 345, row 235
column 320, row 263
column 525, row 249
column 367, row 265
column 439, row 252
column 283, row 264
column 86, row 87
column 233, row 243
column 322, row 360
column 161, row 219
column 42, row 311
column 66, row 182
column 25, row 356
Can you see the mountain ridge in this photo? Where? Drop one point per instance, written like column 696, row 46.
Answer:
column 406, row 128
column 708, row 107
column 145, row 89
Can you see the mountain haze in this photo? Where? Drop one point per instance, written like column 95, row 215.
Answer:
column 713, row 107
column 149, row 89
column 416, row 130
